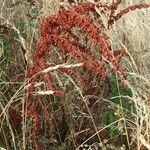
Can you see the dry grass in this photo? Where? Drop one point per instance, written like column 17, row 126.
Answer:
column 95, row 116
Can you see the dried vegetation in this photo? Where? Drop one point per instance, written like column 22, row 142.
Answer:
column 75, row 75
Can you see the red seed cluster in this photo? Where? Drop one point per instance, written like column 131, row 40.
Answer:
column 56, row 31
column 35, row 125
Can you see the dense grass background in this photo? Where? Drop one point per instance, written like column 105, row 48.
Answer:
column 101, row 115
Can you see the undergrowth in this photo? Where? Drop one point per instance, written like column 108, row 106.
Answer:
column 74, row 78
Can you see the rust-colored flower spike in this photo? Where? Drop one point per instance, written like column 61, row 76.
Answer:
column 70, row 48
column 65, row 20
column 56, row 31
column 125, row 11
column 35, row 126
column 68, row 19
column 56, row 25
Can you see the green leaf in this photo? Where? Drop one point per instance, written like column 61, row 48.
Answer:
column 110, row 118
